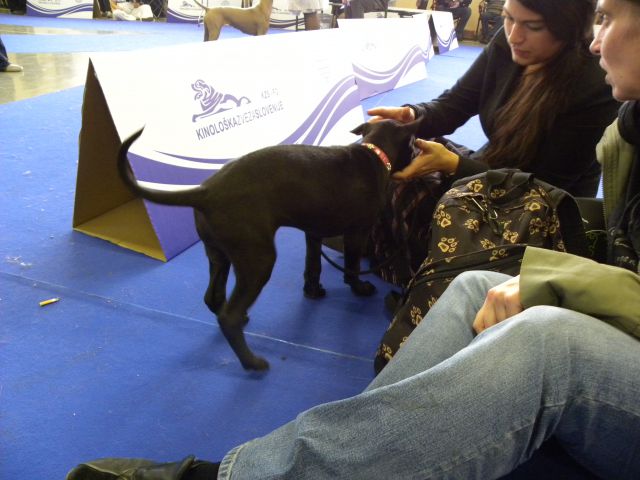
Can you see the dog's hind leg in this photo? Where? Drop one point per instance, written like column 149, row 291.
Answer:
column 252, row 265
column 312, row 268
column 219, row 266
column 353, row 248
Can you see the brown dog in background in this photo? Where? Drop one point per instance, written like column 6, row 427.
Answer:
column 252, row 21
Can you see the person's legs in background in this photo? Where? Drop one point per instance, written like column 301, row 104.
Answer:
column 105, row 8
column 462, row 14
column 131, row 11
column 357, row 8
column 490, row 24
column 18, row 7
column 354, row 9
column 311, row 20
column 5, row 64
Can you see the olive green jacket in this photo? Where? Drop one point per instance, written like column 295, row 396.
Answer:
column 602, row 291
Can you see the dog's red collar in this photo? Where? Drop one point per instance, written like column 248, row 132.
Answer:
column 381, row 155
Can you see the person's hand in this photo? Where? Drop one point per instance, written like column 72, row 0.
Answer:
column 401, row 114
column 434, row 158
column 502, row 302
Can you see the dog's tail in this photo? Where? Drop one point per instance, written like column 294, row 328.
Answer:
column 192, row 197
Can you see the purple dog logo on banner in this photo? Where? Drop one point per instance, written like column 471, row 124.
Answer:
column 213, row 102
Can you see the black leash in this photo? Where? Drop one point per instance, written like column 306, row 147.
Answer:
column 402, row 248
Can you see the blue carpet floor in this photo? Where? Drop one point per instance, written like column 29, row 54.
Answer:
column 130, row 362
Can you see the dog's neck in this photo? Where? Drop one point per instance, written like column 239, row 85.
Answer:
column 381, row 155
column 266, row 6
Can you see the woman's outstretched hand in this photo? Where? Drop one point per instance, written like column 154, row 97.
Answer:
column 435, row 157
column 401, row 114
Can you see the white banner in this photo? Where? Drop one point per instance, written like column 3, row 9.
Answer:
column 60, row 8
column 445, row 30
column 387, row 52
column 216, row 102
column 221, row 100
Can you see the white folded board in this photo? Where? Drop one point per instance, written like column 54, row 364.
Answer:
column 387, row 53
column 219, row 100
column 60, row 8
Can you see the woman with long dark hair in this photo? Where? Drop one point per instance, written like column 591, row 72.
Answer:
column 542, row 103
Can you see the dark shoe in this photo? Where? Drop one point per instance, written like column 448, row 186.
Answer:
column 140, row 469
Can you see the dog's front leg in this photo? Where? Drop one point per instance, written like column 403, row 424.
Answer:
column 353, row 248
column 214, row 21
column 312, row 268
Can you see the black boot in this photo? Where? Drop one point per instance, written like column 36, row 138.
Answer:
column 140, row 469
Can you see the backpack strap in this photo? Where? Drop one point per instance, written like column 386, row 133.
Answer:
column 571, row 223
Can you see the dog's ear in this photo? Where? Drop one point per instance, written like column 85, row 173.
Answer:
column 361, row 129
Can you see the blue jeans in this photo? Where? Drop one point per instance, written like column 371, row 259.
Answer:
column 455, row 405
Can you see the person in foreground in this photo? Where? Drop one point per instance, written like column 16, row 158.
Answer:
column 499, row 365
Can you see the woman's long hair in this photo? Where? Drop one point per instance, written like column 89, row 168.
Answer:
column 542, row 93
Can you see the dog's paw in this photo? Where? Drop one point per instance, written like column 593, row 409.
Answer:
column 363, row 289
column 257, row 364
column 314, row 291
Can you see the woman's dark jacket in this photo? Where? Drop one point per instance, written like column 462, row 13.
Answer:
column 566, row 154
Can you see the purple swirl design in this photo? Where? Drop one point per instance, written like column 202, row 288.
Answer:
column 372, row 82
column 178, row 17
column 37, row 11
column 339, row 100
column 444, row 44
column 326, row 115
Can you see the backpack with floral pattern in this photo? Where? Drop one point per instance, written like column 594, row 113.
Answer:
column 484, row 222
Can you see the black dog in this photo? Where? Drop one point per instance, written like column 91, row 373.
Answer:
column 324, row 191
